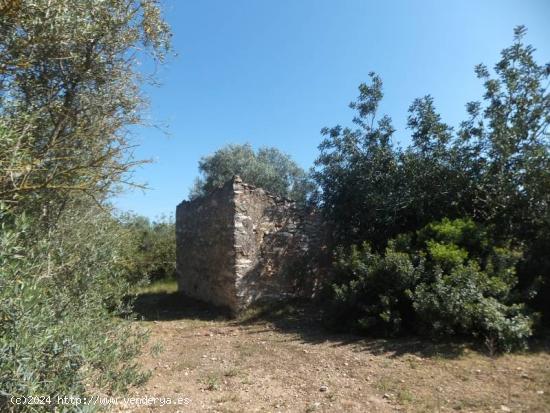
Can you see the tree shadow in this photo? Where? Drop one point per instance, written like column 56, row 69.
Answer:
column 303, row 320
column 167, row 306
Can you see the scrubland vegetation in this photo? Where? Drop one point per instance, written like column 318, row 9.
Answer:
column 448, row 237
column 450, row 234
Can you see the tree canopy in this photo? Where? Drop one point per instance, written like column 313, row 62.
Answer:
column 268, row 168
column 69, row 91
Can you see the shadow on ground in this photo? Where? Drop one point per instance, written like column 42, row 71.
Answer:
column 164, row 306
column 303, row 321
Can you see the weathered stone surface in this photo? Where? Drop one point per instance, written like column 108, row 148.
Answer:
column 240, row 244
column 204, row 261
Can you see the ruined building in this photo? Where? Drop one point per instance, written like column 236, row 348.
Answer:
column 239, row 244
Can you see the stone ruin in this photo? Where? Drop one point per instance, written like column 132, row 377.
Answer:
column 240, row 244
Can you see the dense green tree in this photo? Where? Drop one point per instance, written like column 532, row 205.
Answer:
column 373, row 190
column 507, row 138
column 495, row 169
column 434, row 183
column 357, row 173
column 268, row 168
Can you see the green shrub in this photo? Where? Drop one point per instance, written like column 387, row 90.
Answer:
column 465, row 302
column 62, row 318
column 152, row 247
column 470, row 290
column 373, row 292
column 448, row 278
column 446, row 255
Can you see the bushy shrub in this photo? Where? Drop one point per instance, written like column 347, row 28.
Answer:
column 152, row 247
column 493, row 167
column 469, row 289
column 450, row 277
column 465, row 302
column 62, row 318
column 373, row 292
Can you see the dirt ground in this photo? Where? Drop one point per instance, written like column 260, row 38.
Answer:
column 285, row 362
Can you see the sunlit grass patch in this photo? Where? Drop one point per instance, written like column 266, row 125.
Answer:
column 167, row 285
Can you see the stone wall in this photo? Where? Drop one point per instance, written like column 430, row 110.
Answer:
column 240, row 244
column 205, row 260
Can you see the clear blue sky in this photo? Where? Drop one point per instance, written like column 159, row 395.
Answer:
column 274, row 72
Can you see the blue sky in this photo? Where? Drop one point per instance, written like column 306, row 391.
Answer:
column 274, row 72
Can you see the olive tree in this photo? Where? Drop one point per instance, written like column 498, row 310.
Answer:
column 268, row 168
column 69, row 91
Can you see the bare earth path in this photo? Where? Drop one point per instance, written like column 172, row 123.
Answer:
column 287, row 363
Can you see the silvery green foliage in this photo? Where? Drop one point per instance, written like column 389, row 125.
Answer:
column 69, row 90
column 153, row 247
column 267, row 168
column 63, row 322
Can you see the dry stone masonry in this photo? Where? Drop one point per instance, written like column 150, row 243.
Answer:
column 240, row 244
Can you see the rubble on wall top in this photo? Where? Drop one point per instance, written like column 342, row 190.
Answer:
column 236, row 179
